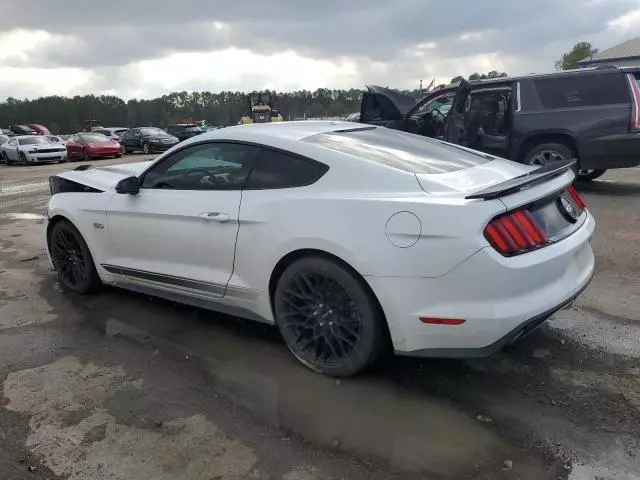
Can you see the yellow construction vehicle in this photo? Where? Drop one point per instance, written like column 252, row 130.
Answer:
column 260, row 109
column 91, row 125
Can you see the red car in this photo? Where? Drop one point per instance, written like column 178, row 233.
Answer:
column 92, row 145
column 41, row 129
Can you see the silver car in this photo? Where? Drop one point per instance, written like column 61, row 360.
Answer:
column 29, row 149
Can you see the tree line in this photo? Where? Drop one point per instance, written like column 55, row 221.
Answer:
column 69, row 114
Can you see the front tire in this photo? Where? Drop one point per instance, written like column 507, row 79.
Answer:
column 5, row 157
column 544, row 153
column 328, row 318
column 72, row 259
column 146, row 148
column 23, row 159
column 85, row 156
column 589, row 175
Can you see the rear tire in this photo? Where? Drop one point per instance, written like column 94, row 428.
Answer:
column 588, row 175
column 544, row 153
column 5, row 157
column 72, row 259
column 328, row 318
column 146, row 148
column 118, row 155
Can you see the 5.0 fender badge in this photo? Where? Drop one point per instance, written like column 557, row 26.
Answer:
column 99, row 226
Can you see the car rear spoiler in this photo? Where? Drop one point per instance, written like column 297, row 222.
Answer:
column 540, row 175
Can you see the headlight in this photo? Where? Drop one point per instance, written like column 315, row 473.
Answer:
column 32, row 151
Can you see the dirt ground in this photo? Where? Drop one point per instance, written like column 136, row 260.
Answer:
column 123, row 386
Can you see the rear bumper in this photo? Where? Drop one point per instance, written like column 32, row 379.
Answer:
column 612, row 151
column 499, row 298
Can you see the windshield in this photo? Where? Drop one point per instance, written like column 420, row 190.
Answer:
column 152, row 131
column 95, row 137
column 35, row 141
column 440, row 104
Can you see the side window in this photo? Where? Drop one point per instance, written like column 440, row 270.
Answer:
column 209, row 166
column 12, row 142
column 279, row 170
column 582, row 90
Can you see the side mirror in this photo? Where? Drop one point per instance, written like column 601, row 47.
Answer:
column 129, row 185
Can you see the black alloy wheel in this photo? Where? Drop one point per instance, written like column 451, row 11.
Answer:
column 72, row 260
column 545, row 153
column 328, row 319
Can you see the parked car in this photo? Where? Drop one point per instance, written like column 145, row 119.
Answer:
column 587, row 114
column 353, row 117
column 112, row 132
column 57, row 139
column 265, row 221
column 184, row 131
column 22, row 130
column 32, row 149
column 3, row 138
column 41, row 129
column 86, row 146
column 147, row 140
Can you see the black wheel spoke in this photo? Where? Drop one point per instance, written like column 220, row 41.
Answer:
column 320, row 317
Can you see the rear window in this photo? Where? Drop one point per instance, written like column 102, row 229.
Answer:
column 404, row 151
column 582, row 90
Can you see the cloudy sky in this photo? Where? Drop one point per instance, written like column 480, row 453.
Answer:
column 145, row 48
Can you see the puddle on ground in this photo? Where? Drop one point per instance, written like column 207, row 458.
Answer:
column 251, row 367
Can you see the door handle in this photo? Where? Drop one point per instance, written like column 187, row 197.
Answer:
column 214, row 217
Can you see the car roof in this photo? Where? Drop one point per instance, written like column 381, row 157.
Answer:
column 262, row 132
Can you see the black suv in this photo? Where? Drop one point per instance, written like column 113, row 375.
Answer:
column 147, row 139
column 184, row 130
column 590, row 114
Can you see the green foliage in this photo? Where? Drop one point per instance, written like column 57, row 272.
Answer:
column 68, row 114
column 580, row 51
column 480, row 76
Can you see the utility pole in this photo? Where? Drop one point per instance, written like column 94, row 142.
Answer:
column 421, row 85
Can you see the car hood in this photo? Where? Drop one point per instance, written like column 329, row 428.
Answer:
column 40, row 146
column 105, row 178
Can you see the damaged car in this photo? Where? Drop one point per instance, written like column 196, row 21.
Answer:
column 591, row 115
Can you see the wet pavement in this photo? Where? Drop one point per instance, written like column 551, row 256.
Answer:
column 121, row 386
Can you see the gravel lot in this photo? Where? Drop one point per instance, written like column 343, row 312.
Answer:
column 122, row 386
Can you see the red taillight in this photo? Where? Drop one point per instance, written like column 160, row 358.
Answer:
column 634, row 123
column 575, row 196
column 514, row 233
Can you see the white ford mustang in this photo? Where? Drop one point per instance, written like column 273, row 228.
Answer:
column 349, row 238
